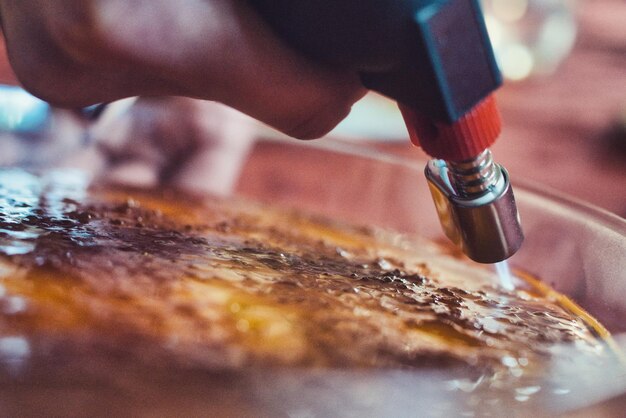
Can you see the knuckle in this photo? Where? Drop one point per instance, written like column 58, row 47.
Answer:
column 315, row 125
column 77, row 29
column 322, row 119
column 58, row 58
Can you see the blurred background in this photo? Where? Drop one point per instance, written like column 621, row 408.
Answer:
column 563, row 106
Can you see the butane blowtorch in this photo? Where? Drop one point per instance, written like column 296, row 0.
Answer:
column 434, row 57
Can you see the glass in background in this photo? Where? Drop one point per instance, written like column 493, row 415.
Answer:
column 530, row 37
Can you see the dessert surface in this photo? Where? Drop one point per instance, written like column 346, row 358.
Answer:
column 106, row 291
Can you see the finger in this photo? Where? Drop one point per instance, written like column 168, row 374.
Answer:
column 217, row 50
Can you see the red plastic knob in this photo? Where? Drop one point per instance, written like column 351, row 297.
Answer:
column 476, row 131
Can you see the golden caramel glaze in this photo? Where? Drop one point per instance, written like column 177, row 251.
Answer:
column 94, row 279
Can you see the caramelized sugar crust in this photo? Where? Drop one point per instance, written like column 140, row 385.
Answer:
column 224, row 284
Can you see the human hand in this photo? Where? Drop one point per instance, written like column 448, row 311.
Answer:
column 74, row 53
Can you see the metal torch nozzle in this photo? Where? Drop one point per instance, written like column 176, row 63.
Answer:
column 476, row 206
column 472, row 194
